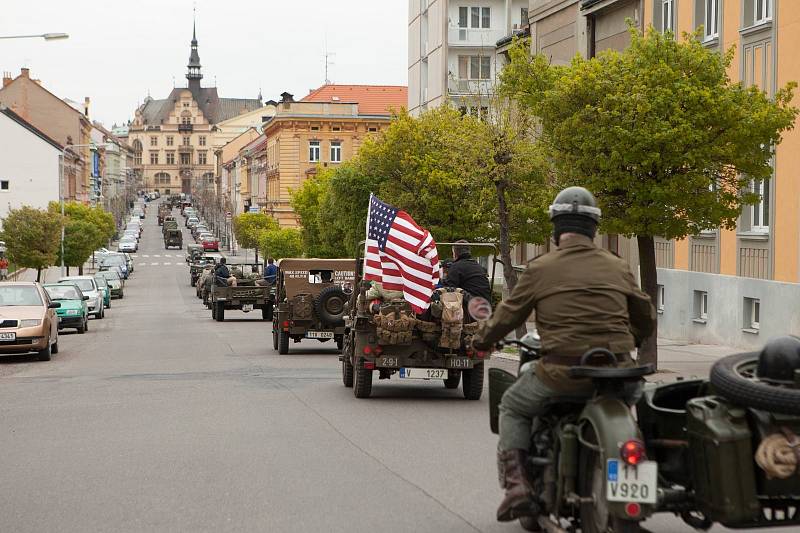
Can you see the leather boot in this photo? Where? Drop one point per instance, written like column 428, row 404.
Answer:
column 513, row 478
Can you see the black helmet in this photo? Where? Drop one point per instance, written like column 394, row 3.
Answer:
column 779, row 360
column 574, row 211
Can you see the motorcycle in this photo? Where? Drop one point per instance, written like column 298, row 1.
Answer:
column 707, row 450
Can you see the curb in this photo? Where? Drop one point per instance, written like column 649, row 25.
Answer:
column 17, row 273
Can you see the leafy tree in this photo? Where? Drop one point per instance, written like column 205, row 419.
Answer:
column 80, row 241
column 319, row 234
column 658, row 132
column 32, row 237
column 248, row 226
column 282, row 242
column 101, row 220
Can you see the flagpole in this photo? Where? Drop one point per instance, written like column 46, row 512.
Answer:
column 366, row 240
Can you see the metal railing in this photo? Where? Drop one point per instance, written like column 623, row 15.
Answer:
column 470, row 87
column 473, row 36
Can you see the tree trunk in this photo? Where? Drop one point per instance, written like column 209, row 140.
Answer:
column 648, row 352
column 80, row 270
column 256, row 249
column 67, row 270
column 38, row 274
column 509, row 274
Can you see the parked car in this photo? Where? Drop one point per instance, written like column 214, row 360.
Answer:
column 192, row 222
column 105, row 290
column 73, row 312
column 128, row 262
column 210, row 243
column 115, row 283
column 88, row 286
column 128, row 244
column 28, row 321
column 115, row 262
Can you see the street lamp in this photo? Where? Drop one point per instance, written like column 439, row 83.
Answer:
column 45, row 36
column 61, row 188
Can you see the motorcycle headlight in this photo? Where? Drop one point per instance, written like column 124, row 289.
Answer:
column 31, row 323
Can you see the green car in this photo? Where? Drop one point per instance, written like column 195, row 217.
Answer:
column 115, row 283
column 73, row 312
column 102, row 284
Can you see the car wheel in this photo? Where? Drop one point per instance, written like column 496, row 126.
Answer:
column 274, row 339
column 266, row 312
column 283, row 342
column 362, row 382
column 220, row 311
column 54, row 348
column 472, row 382
column 45, row 355
column 109, row 304
column 83, row 327
column 453, row 379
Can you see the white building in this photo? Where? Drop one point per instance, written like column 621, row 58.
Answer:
column 29, row 164
column 453, row 49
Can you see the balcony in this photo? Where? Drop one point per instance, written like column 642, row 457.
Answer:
column 185, row 128
column 183, row 149
column 470, row 87
column 472, row 37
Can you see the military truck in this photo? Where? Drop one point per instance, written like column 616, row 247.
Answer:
column 197, row 266
column 173, row 237
column 193, row 251
column 247, row 295
column 311, row 295
column 383, row 334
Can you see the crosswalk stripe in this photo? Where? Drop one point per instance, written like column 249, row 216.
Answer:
column 154, row 264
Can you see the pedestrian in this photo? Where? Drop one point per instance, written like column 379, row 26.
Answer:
column 3, row 268
column 271, row 272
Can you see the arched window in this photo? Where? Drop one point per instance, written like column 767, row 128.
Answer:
column 137, row 152
column 162, row 178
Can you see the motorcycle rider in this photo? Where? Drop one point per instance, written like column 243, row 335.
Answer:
column 584, row 297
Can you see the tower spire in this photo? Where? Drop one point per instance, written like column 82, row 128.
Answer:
column 194, row 74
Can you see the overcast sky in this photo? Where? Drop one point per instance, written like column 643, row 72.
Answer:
column 118, row 50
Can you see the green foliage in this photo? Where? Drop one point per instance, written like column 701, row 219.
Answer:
column 658, row 132
column 32, row 237
column 248, row 226
column 80, row 240
column 281, row 242
column 102, row 221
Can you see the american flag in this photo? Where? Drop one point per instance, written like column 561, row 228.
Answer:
column 400, row 254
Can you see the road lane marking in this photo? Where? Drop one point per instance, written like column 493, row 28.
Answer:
column 156, row 255
column 154, row 264
column 167, row 263
column 145, row 256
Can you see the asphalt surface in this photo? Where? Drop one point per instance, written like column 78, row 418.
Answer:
column 160, row 419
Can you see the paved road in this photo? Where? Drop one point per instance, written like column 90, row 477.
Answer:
column 160, row 419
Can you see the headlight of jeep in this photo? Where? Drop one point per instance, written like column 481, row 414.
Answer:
column 31, row 323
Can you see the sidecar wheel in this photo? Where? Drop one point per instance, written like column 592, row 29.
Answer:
column 530, row 523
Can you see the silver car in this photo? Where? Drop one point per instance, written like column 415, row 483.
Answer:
column 88, row 287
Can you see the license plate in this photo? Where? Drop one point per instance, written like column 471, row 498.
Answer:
column 423, row 373
column 247, row 308
column 625, row 483
column 8, row 336
column 319, row 335
column 458, row 362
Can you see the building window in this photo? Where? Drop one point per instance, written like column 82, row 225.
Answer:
column 660, row 298
column 474, row 67
column 185, row 159
column 762, row 11
column 153, row 158
column 314, row 128
column 336, row 152
column 169, row 141
column 186, row 120
column 372, row 129
column 170, row 158
column 667, row 10
column 752, row 314
column 201, row 157
column 313, row 151
column 759, row 220
column 153, row 141
column 700, row 306
column 202, row 140
column 4, row 185
column 336, row 128
column 186, row 104
column 474, row 17
column 710, row 19
column 162, row 178
column 186, row 141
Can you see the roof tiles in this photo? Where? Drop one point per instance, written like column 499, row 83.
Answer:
column 371, row 99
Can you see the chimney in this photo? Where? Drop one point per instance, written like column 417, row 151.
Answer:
column 6, row 79
column 86, row 106
column 25, row 72
column 287, row 97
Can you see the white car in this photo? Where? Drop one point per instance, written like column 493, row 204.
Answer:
column 127, row 245
column 88, row 287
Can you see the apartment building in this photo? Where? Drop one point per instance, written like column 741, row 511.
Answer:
column 453, row 49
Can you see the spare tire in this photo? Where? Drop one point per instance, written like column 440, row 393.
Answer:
column 330, row 305
column 734, row 378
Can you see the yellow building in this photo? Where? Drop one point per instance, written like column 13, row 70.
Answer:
column 173, row 138
column 323, row 129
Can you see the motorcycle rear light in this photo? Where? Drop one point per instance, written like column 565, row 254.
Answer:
column 369, row 365
column 367, row 350
column 633, row 509
column 633, row 452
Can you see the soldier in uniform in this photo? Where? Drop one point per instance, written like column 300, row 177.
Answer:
column 584, row 297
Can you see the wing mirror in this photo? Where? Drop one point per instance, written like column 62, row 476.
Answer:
column 54, row 305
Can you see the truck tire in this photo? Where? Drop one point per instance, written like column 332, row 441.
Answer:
column 274, row 339
column 362, row 382
column 283, row 342
column 266, row 312
column 472, row 382
column 330, row 305
column 732, row 384
column 347, row 372
column 220, row 311
column 214, row 313
column 453, row 379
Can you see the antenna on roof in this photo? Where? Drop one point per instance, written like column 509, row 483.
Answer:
column 328, row 62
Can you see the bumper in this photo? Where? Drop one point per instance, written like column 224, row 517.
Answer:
column 70, row 322
column 24, row 343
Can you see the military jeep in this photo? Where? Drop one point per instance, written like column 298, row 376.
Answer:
column 248, row 294
column 383, row 334
column 311, row 295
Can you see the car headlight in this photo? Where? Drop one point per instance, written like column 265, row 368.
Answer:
column 30, row 323
column 71, row 312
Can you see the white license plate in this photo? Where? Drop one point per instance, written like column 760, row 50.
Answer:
column 8, row 336
column 423, row 373
column 625, row 483
column 247, row 308
column 319, row 335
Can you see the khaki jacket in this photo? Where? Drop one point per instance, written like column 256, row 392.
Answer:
column 584, row 297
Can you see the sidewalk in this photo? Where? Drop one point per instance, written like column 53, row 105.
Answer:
column 52, row 274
